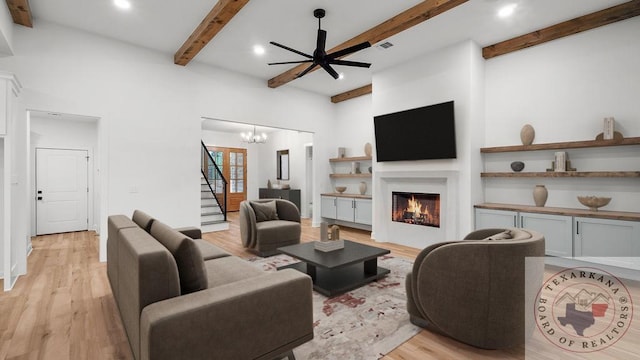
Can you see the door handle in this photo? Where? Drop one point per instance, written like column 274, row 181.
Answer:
column 39, row 197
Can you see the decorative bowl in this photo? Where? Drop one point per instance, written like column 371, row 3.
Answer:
column 341, row 189
column 517, row 166
column 593, row 202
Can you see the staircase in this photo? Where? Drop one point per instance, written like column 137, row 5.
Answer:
column 213, row 215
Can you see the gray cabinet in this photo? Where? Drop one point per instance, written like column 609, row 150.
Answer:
column 328, row 207
column 597, row 240
column 292, row 195
column 557, row 229
column 606, row 241
column 347, row 209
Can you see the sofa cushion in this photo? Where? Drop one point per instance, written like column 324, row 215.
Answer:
column 505, row 235
column 143, row 220
column 265, row 211
column 209, row 251
column 277, row 231
column 229, row 269
column 193, row 276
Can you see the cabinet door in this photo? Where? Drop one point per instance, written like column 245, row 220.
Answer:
column 557, row 231
column 328, row 207
column 363, row 211
column 611, row 242
column 344, row 209
column 486, row 219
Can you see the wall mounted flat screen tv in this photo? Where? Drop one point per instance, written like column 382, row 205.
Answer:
column 416, row 134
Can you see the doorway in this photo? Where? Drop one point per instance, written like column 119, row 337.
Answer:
column 61, row 190
column 233, row 164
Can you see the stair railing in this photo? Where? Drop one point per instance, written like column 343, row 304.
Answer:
column 209, row 163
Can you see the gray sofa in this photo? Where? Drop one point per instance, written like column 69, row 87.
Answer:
column 181, row 298
column 474, row 290
column 267, row 224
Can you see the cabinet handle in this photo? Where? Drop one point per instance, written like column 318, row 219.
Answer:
column 515, row 221
column 522, row 221
column 577, row 227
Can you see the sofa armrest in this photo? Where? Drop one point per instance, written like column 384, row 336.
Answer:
column 256, row 318
column 191, row 231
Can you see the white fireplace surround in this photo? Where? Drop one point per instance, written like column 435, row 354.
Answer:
column 444, row 183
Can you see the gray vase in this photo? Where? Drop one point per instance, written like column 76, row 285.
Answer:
column 540, row 195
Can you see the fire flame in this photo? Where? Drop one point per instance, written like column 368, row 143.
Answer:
column 414, row 206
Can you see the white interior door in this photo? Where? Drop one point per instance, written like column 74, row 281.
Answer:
column 61, row 190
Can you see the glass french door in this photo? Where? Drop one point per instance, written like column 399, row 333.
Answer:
column 232, row 162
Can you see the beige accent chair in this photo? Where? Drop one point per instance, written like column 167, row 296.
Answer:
column 474, row 290
column 263, row 236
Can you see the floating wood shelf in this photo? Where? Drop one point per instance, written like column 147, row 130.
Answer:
column 346, row 195
column 563, row 145
column 602, row 214
column 353, row 158
column 345, row 176
column 567, row 174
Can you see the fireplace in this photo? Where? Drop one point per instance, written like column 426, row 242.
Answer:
column 416, row 208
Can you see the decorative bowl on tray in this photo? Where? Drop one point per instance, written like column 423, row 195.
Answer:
column 341, row 189
column 594, row 202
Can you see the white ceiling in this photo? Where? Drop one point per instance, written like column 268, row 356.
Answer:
column 164, row 25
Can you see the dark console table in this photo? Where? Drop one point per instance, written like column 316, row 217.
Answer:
column 292, row 195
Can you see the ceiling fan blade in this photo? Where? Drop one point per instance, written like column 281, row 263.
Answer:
column 349, row 63
column 290, row 49
column 330, row 70
column 303, row 73
column 349, row 50
column 290, row 62
column 321, row 41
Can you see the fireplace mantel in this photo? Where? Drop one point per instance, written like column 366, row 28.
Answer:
column 444, row 182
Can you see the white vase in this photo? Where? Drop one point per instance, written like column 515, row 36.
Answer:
column 363, row 188
column 540, row 195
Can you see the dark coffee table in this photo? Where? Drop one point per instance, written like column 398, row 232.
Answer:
column 336, row 272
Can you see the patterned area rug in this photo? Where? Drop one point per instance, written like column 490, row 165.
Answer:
column 365, row 323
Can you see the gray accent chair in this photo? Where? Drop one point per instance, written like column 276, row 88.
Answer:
column 474, row 290
column 264, row 237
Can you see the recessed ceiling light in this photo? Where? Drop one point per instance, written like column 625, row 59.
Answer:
column 122, row 4
column 258, row 50
column 507, row 10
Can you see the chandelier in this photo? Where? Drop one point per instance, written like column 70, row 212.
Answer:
column 252, row 138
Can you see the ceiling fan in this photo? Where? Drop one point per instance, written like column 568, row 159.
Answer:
column 320, row 56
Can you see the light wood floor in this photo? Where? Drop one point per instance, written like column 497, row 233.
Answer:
column 64, row 309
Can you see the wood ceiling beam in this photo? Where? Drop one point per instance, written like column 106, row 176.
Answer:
column 20, row 12
column 587, row 22
column 218, row 17
column 364, row 90
column 406, row 19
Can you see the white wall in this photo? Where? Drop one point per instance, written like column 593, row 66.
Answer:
column 150, row 111
column 564, row 89
column 73, row 135
column 295, row 142
column 454, row 73
column 6, row 31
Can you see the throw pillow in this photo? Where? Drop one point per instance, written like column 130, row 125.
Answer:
column 500, row 236
column 265, row 211
column 191, row 269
